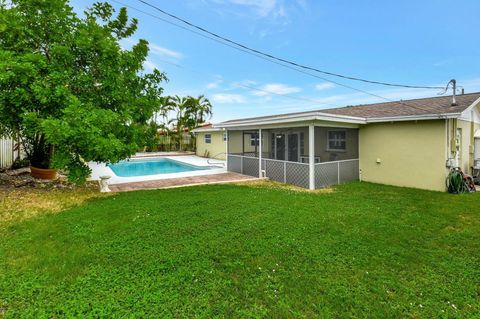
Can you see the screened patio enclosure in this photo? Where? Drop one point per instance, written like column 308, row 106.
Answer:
column 283, row 154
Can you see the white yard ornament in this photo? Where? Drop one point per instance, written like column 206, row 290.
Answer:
column 103, row 182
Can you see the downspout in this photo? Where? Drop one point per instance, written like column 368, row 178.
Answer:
column 471, row 148
column 447, row 141
column 453, row 140
column 226, row 147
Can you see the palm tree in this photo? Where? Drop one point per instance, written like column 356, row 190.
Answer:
column 202, row 108
column 161, row 118
column 190, row 113
column 183, row 118
column 167, row 104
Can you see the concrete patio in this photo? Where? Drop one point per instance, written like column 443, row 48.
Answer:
column 182, row 182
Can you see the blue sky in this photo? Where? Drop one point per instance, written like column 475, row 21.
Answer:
column 409, row 42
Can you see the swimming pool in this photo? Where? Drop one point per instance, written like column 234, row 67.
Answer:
column 155, row 166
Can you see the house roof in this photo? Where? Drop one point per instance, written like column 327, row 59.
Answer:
column 208, row 127
column 425, row 108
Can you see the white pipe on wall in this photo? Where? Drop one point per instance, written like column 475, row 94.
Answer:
column 260, row 153
column 311, row 155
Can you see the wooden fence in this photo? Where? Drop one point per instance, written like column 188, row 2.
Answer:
column 7, row 152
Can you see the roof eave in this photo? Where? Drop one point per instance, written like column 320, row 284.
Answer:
column 212, row 129
column 280, row 119
column 413, row 117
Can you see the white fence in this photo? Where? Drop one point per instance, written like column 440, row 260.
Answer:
column 7, row 153
column 326, row 174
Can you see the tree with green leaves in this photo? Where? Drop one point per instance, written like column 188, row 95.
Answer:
column 202, row 109
column 68, row 90
column 190, row 112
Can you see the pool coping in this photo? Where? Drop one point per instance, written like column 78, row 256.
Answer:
column 101, row 169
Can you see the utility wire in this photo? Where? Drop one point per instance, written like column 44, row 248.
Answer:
column 268, row 59
column 250, row 87
column 270, row 56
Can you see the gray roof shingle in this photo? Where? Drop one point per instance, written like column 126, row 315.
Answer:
column 424, row 106
column 406, row 108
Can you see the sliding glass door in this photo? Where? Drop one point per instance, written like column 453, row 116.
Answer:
column 293, row 143
column 286, row 146
column 280, row 146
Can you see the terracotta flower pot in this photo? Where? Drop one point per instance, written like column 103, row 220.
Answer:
column 43, row 173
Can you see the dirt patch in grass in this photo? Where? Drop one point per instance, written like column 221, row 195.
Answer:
column 18, row 204
column 276, row 185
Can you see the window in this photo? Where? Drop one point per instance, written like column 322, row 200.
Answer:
column 208, row 138
column 337, row 140
column 254, row 139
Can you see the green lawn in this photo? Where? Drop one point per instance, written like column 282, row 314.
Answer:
column 232, row 251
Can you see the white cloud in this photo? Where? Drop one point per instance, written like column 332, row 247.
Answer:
column 223, row 98
column 324, row 86
column 212, row 85
column 126, row 44
column 215, row 84
column 164, row 52
column 276, row 88
column 262, row 7
column 150, row 65
column 272, row 11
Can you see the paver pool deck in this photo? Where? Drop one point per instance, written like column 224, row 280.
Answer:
column 182, row 182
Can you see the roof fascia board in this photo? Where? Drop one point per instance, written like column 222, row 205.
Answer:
column 286, row 119
column 214, row 129
column 472, row 106
column 413, row 117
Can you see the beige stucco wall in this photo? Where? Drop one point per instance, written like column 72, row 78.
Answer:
column 411, row 154
column 235, row 142
column 467, row 144
column 215, row 149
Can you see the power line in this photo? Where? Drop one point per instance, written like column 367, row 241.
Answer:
column 268, row 59
column 246, row 86
column 270, row 56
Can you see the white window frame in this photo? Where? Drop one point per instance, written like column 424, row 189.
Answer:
column 254, row 139
column 335, row 140
column 207, row 138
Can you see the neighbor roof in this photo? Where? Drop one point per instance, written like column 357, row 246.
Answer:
column 208, row 127
column 425, row 108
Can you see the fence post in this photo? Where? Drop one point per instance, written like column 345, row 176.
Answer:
column 260, row 153
column 241, row 164
column 338, row 172
column 311, row 156
column 285, row 172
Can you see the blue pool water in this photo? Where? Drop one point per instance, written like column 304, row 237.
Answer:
column 152, row 167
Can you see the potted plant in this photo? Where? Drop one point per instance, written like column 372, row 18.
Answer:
column 68, row 99
column 39, row 153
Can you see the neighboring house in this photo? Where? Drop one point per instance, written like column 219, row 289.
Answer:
column 210, row 142
column 168, row 140
column 410, row 143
